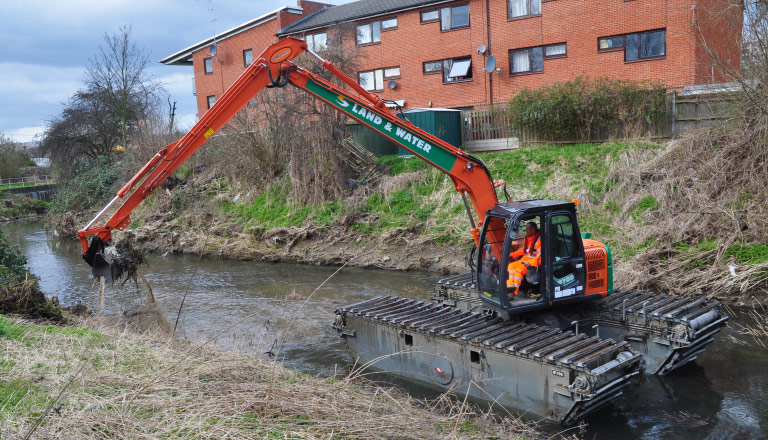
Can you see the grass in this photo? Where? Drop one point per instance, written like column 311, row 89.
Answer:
column 748, row 253
column 646, row 204
column 19, row 206
column 271, row 210
column 138, row 383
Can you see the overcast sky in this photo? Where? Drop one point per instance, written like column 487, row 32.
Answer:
column 46, row 45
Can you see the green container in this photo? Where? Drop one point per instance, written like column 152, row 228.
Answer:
column 372, row 141
column 441, row 122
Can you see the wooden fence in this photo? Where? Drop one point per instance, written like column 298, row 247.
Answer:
column 492, row 129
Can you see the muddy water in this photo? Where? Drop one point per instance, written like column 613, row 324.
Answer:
column 248, row 306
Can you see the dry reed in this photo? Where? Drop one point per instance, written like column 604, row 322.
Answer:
column 210, row 395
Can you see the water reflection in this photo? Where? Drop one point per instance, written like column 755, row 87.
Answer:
column 720, row 396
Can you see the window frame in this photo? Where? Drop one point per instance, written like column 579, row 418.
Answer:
column 384, row 77
column 384, row 72
column 383, row 29
column 612, row 49
column 544, row 56
column 450, row 8
column 439, row 18
column 312, row 46
column 623, row 46
column 245, row 59
column 431, row 20
column 529, row 15
column 443, row 72
column 206, row 62
column 549, row 57
column 530, row 60
column 370, row 26
column 424, row 67
column 208, row 100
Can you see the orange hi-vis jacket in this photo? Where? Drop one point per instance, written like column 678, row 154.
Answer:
column 530, row 252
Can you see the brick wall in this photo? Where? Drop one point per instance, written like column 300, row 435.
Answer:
column 578, row 23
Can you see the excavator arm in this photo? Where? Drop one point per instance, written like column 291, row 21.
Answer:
column 274, row 68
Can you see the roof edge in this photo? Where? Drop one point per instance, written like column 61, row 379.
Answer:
column 180, row 58
column 287, row 30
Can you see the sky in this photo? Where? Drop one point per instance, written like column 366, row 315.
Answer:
column 46, row 46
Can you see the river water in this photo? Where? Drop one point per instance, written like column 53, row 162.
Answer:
column 248, row 306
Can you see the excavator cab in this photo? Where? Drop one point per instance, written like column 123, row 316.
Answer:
column 562, row 274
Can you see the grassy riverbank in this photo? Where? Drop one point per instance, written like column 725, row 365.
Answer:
column 105, row 380
column 651, row 203
column 17, row 207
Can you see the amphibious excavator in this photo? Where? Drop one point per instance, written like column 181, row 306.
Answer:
column 566, row 345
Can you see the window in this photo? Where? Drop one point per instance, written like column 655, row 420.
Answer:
column 211, row 100
column 637, row 46
column 526, row 60
column 531, row 59
column 317, row 42
column 369, row 33
column 433, row 66
column 373, row 80
column 453, row 69
column 428, row 16
column 523, row 8
column 563, row 248
column 247, row 57
column 608, row 43
column 453, row 17
column 555, row 50
column 392, row 72
column 390, row 23
column 208, row 65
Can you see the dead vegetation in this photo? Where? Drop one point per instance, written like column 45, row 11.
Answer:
column 122, row 383
column 25, row 298
column 702, row 197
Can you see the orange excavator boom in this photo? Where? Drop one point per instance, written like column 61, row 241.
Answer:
column 274, row 68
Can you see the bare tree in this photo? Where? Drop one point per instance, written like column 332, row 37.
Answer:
column 749, row 68
column 119, row 75
column 119, row 93
column 286, row 132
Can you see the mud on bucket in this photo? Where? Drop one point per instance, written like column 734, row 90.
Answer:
column 113, row 262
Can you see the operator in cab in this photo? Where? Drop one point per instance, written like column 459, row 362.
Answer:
column 524, row 258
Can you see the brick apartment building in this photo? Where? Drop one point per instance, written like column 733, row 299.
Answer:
column 433, row 53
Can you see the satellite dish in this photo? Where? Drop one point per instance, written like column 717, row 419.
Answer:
column 490, row 64
column 481, row 49
column 392, row 84
column 212, row 49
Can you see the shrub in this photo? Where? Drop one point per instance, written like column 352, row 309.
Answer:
column 586, row 109
column 92, row 184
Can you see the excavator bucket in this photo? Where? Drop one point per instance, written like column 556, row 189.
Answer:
column 101, row 257
column 120, row 261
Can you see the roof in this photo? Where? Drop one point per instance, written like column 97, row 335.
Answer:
column 184, row 56
column 355, row 11
column 513, row 208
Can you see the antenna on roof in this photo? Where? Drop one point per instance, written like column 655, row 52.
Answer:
column 213, row 25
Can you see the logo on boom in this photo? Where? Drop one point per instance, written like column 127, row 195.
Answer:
column 281, row 55
column 342, row 102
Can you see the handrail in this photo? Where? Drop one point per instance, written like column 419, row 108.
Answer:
column 28, row 181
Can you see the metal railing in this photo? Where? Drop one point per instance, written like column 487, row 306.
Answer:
column 21, row 182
